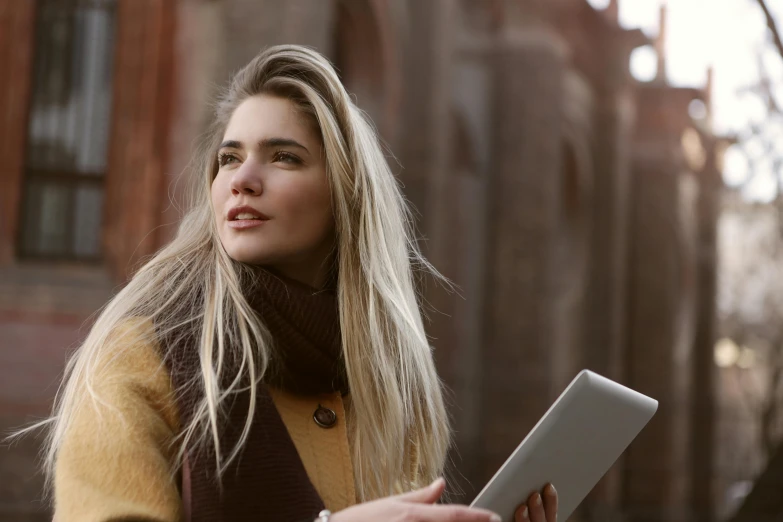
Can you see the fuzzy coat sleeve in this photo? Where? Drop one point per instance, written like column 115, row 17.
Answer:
column 116, row 461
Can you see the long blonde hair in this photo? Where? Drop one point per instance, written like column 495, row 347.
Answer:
column 193, row 285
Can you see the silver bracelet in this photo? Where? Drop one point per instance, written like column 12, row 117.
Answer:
column 323, row 516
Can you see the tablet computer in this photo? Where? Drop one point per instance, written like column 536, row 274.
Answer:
column 572, row 446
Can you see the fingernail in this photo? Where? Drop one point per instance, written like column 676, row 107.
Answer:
column 552, row 490
column 495, row 518
column 537, row 500
column 436, row 483
column 524, row 512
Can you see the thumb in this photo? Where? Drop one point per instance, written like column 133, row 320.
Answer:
column 426, row 495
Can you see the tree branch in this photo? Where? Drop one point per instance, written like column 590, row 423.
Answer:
column 773, row 28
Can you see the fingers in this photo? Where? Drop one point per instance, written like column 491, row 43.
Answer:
column 522, row 514
column 536, row 508
column 550, row 503
column 539, row 508
column 453, row 513
column 426, row 495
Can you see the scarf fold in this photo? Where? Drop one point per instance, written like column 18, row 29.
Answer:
column 267, row 480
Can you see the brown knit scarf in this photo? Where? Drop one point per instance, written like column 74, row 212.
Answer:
column 267, row 481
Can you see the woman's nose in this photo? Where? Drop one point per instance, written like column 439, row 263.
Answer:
column 247, row 180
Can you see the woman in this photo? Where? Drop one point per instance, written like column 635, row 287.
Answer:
column 215, row 385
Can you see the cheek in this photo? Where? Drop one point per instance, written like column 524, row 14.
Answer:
column 217, row 194
column 309, row 207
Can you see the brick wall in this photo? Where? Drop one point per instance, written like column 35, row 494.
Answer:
column 136, row 189
column 44, row 313
column 17, row 22
column 522, row 204
column 662, row 307
column 45, row 308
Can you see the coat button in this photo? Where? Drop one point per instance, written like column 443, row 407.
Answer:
column 325, row 417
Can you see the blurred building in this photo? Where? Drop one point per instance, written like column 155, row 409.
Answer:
column 574, row 206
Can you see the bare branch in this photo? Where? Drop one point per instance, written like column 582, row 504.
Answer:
column 773, row 28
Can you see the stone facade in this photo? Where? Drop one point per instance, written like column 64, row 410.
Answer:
column 551, row 188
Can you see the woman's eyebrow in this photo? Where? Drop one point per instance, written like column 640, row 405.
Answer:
column 266, row 143
column 280, row 142
column 231, row 144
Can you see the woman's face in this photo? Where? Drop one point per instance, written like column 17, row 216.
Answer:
column 271, row 196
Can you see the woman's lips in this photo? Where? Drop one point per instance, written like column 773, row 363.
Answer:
column 243, row 212
column 242, row 224
column 244, row 217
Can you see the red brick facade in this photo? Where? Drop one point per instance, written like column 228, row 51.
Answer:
column 17, row 22
column 136, row 192
column 45, row 307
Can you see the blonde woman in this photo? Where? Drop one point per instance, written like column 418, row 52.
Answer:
column 270, row 363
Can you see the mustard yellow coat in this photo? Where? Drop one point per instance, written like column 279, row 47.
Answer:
column 117, row 457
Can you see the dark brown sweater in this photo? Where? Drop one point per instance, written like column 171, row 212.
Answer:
column 267, row 481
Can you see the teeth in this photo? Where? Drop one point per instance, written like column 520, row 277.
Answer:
column 246, row 215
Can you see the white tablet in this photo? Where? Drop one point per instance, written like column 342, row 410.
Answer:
column 572, row 446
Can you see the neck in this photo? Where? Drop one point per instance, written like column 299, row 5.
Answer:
column 315, row 276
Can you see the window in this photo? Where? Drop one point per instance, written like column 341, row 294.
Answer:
column 68, row 130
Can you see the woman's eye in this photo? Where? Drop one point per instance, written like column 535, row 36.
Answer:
column 286, row 157
column 225, row 159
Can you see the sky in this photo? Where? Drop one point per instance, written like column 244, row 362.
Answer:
column 730, row 36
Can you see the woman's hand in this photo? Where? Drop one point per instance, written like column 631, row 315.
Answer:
column 539, row 507
column 416, row 506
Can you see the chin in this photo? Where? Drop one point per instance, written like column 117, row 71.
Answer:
column 255, row 260
column 251, row 256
